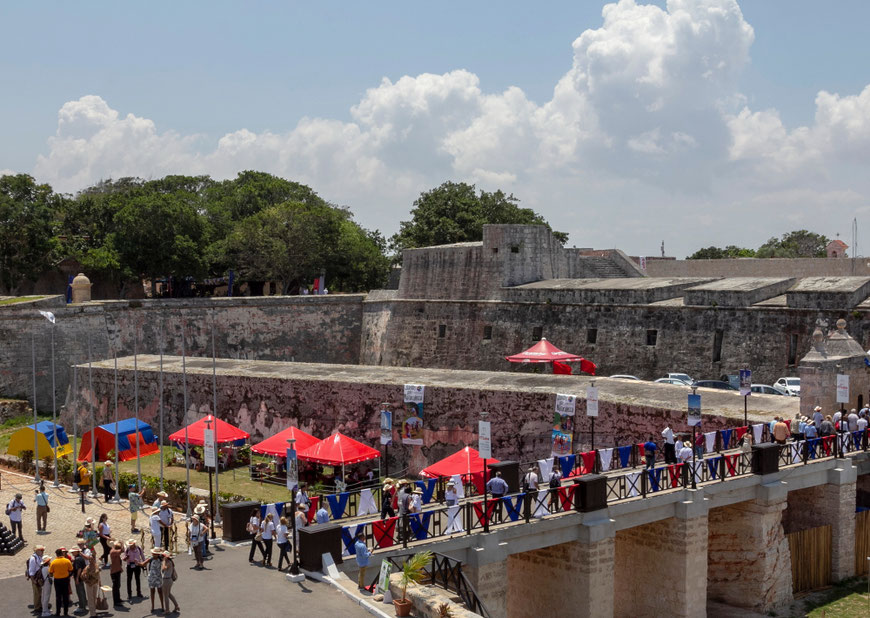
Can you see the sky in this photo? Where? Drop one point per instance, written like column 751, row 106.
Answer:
column 629, row 124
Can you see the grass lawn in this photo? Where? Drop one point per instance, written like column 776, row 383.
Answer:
column 19, row 299
column 847, row 600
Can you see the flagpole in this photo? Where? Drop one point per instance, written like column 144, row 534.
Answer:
column 75, row 486
column 35, row 434
column 94, row 493
column 136, row 407
column 160, row 398
column 217, row 471
column 54, row 405
column 184, row 417
column 115, row 497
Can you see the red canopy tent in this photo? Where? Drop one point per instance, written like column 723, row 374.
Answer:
column 546, row 352
column 465, row 462
column 224, row 432
column 338, row 450
column 278, row 445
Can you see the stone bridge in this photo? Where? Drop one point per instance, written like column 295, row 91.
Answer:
column 670, row 552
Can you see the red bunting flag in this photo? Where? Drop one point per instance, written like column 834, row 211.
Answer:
column 674, row 471
column 566, row 496
column 561, row 368
column 384, row 531
column 587, row 366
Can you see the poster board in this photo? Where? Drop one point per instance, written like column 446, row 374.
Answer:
column 412, row 426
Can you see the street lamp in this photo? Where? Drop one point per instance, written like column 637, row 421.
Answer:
column 294, row 575
column 210, row 446
column 694, row 445
column 483, row 414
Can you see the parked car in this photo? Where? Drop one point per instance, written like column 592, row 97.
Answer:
column 714, row 384
column 765, row 389
column 682, row 377
column 672, row 381
column 625, row 377
column 791, row 386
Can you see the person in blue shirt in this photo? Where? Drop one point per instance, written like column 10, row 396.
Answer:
column 649, row 453
column 362, row 558
column 322, row 515
column 498, row 487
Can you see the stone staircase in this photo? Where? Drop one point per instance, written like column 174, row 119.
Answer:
column 604, row 267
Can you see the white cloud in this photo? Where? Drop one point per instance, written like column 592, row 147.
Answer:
column 645, row 136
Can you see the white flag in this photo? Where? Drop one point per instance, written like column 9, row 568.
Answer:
column 48, row 315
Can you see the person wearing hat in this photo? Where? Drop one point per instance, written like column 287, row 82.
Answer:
column 161, row 496
column 153, row 565
column 197, row 533
column 60, row 570
column 417, row 500
column 34, row 574
column 169, row 576
column 116, row 567
column 201, row 510
column 79, row 563
column 134, row 558
column 811, row 431
column 818, row 417
column 45, row 590
column 387, row 494
column 167, row 518
column 451, row 497
column 13, row 510
column 108, row 480
column 136, row 505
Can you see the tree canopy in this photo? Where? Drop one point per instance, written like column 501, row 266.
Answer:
column 715, row 253
column 800, row 243
column 456, row 212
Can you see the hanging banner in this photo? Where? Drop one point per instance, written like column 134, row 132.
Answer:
column 208, row 449
column 292, row 470
column 412, row 427
column 745, row 382
column 842, row 388
column 386, row 427
column 565, row 404
column 694, row 410
column 592, row 401
column 563, row 433
column 484, row 442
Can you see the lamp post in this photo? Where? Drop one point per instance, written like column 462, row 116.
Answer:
column 54, row 405
column 91, row 397
column 217, row 473
column 293, row 575
column 35, row 420
column 694, row 446
column 160, row 400
column 206, row 445
column 116, row 497
column 483, row 414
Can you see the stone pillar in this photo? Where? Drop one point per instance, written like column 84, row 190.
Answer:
column 81, row 289
column 574, row 578
column 490, row 582
column 749, row 563
column 839, row 499
column 661, row 568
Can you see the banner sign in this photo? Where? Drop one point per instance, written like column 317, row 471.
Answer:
column 694, row 410
column 292, row 470
column 565, row 404
column 745, row 382
column 484, row 443
column 386, row 427
column 208, row 449
column 412, row 427
column 842, row 388
column 592, row 401
column 563, row 434
column 384, row 577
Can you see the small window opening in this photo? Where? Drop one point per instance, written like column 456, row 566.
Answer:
column 651, row 337
column 538, row 333
column 515, row 249
column 717, row 345
column 591, row 335
column 442, row 330
column 487, row 332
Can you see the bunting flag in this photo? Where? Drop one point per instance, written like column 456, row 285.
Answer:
column 276, row 508
column 731, row 464
column 624, row 455
column 788, row 424
column 546, row 468
column 337, row 504
column 655, row 477
column 588, row 462
column 460, row 487
column 384, row 531
column 478, row 510
column 605, row 457
column 631, row 483
column 741, row 431
column 567, row 464
column 587, row 366
column 428, row 489
column 514, row 508
column 674, row 471
column 420, row 524
column 844, row 442
column 826, row 444
column 698, row 471
column 454, row 523
column 813, row 447
column 640, row 450
column 348, row 537
column 541, row 508
column 367, row 505
column 713, row 466
column 757, row 433
column 315, row 504
column 796, row 450
column 561, row 368
column 477, row 481
column 856, row 438
column 726, row 438
column 566, row 496
column 710, row 441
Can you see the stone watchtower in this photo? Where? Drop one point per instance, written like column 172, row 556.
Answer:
column 836, row 353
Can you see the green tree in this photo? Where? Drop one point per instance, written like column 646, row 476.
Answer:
column 800, row 243
column 455, row 212
column 26, row 229
column 716, row 253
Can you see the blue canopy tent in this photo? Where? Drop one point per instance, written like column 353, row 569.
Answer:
column 128, row 435
column 22, row 440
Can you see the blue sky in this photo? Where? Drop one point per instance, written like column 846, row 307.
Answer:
column 193, row 73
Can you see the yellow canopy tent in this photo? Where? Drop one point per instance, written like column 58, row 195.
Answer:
column 23, row 440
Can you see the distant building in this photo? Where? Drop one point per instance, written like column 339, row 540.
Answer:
column 837, row 249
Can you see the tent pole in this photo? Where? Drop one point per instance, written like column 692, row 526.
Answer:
column 116, row 498
column 184, row 417
column 92, row 396
column 75, row 415
column 217, row 471
column 160, row 399
column 35, row 421
column 54, row 406
column 136, row 406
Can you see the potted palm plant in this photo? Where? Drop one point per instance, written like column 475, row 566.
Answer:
column 412, row 571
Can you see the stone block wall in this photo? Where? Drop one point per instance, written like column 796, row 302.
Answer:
column 661, row 569
column 491, row 583
column 752, row 267
column 11, row 408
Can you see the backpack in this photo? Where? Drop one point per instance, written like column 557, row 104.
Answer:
column 38, row 579
column 555, row 481
column 77, row 476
